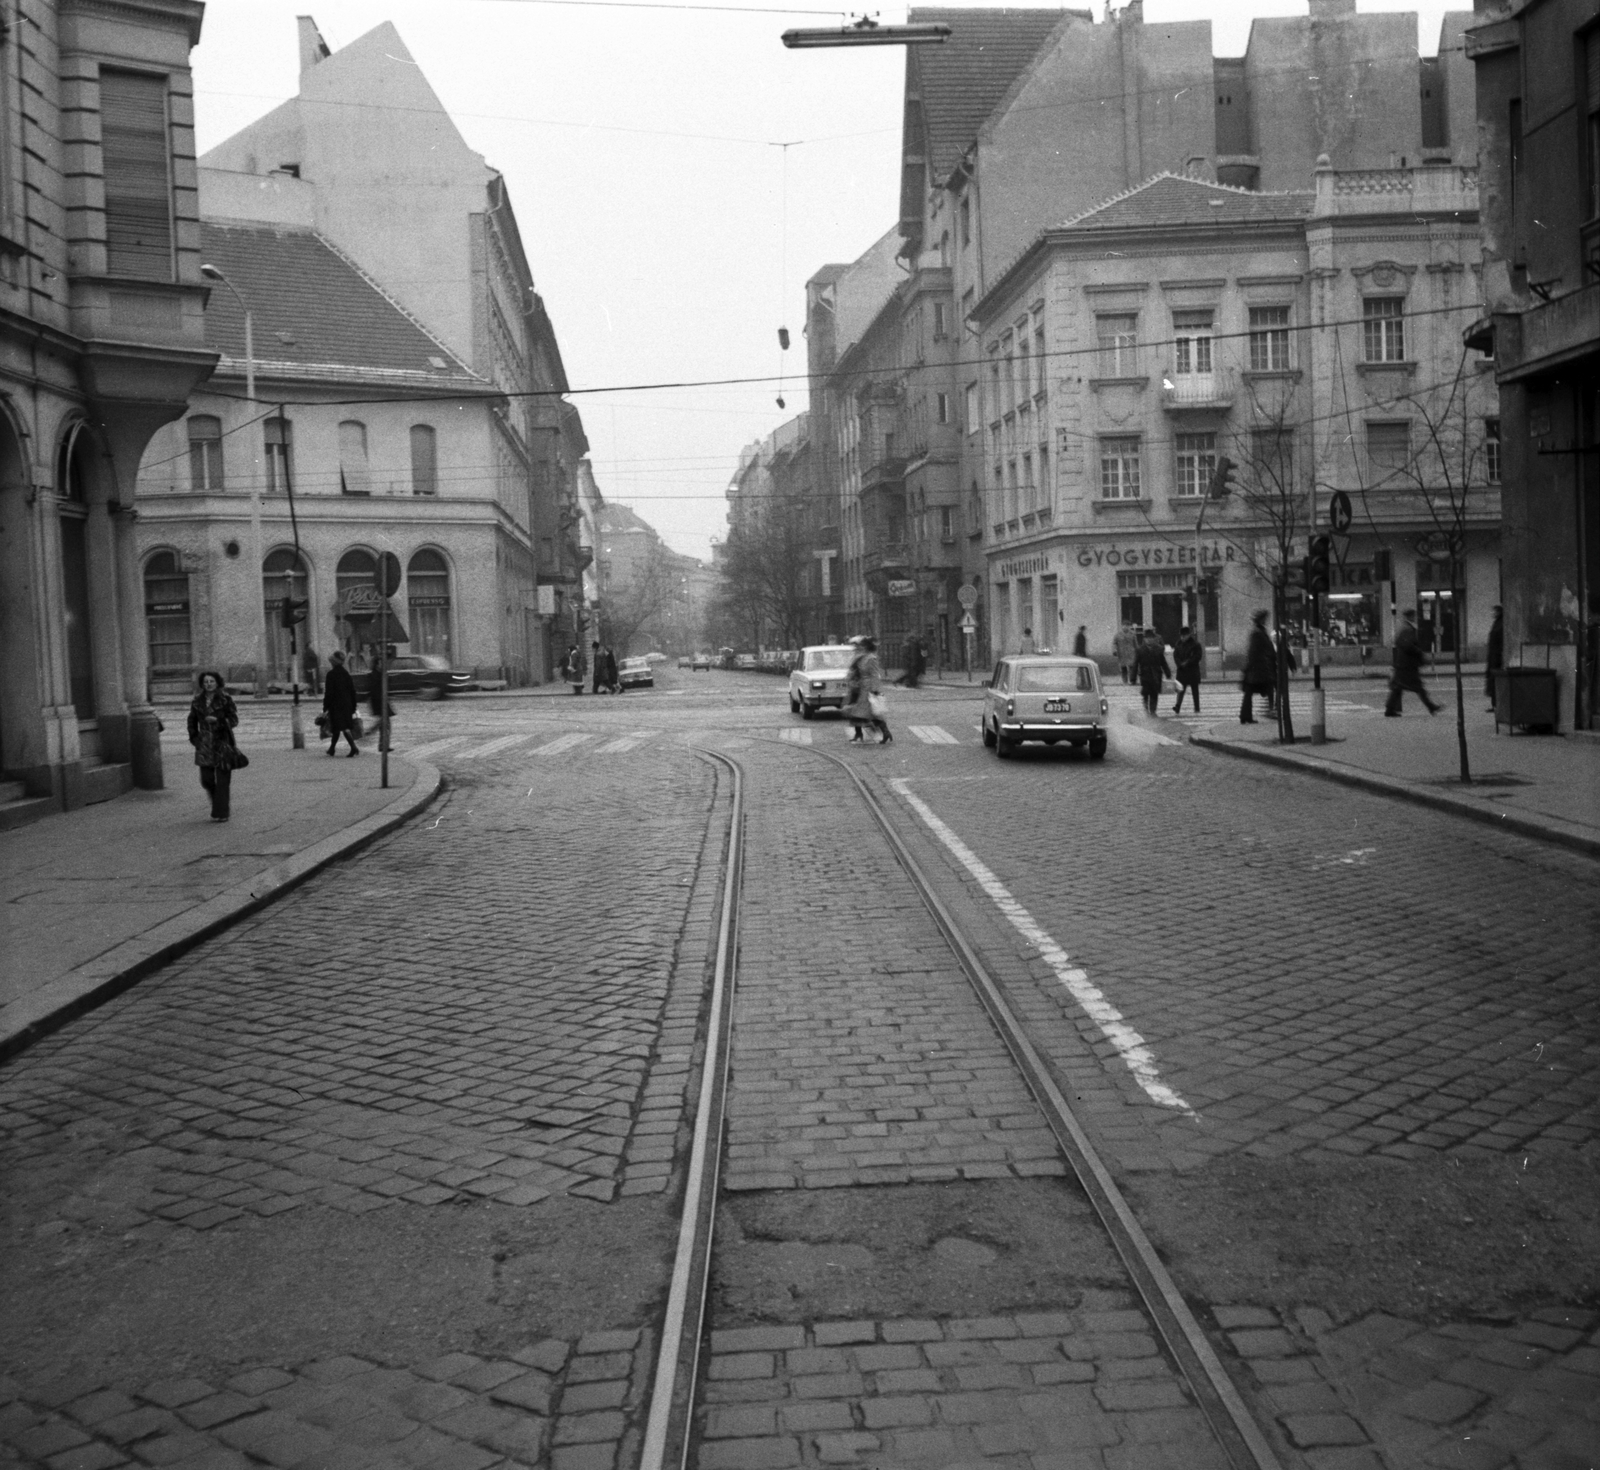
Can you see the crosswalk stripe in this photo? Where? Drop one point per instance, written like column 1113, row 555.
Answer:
column 795, row 736
column 616, row 747
column 934, row 735
column 561, row 743
column 503, row 743
column 434, row 747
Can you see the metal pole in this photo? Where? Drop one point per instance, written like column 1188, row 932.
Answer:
column 255, row 497
column 297, row 729
column 383, row 683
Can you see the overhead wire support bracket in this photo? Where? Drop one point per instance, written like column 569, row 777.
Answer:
column 867, row 32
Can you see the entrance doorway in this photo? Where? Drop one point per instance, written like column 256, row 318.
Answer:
column 1438, row 618
column 1167, row 615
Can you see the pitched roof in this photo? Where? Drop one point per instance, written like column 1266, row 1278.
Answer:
column 960, row 81
column 315, row 314
column 1175, row 200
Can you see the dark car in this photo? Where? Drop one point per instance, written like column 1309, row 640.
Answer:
column 427, row 675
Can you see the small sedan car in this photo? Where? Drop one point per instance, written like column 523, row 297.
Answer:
column 818, row 678
column 1045, row 698
column 701, row 662
column 635, row 673
column 427, row 675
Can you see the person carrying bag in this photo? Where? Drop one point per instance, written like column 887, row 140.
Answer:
column 212, row 718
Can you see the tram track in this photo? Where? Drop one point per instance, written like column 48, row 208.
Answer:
column 669, row 1434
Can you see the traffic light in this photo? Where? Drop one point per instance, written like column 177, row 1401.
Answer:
column 1317, row 564
column 292, row 611
column 1222, row 477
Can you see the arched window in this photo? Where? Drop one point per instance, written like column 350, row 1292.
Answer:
column 428, row 591
column 205, row 452
column 357, row 568
column 424, row 460
column 354, row 476
column 280, row 578
column 166, row 618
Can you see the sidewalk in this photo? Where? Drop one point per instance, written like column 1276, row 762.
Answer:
column 1542, row 786
column 95, row 898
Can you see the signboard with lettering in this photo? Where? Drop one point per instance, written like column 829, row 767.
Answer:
column 899, row 588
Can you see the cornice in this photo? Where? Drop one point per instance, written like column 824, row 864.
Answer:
column 166, row 14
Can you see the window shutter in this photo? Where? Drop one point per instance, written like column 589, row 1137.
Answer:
column 135, row 153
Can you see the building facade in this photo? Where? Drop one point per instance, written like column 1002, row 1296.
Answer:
column 1538, row 94
column 101, row 343
column 366, row 158
column 1311, row 339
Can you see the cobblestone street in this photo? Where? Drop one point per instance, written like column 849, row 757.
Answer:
column 385, row 1174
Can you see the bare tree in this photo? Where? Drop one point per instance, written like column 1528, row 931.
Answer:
column 627, row 608
column 766, row 571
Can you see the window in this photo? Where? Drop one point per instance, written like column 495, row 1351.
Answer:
column 941, row 321
column 166, row 616
column 278, row 441
column 205, row 452
column 1191, row 342
column 1049, row 613
column 282, row 577
column 1383, row 329
column 947, row 523
column 974, row 508
column 1197, row 462
column 966, row 223
column 942, row 407
column 1024, row 368
column 974, row 416
column 428, row 594
column 138, row 190
column 1038, row 352
column 1388, row 448
column 1029, row 489
column 1491, row 450
column 1119, row 346
column 1591, row 123
column 1119, row 469
column 1269, row 339
column 354, row 478
column 967, row 300
column 424, row 460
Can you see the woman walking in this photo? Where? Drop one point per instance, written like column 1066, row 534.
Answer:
column 339, row 704
column 212, row 718
column 864, row 693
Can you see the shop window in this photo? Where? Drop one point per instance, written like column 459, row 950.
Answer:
column 205, row 452
column 428, row 596
column 135, row 162
column 166, row 617
column 1383, row 329
column 354, row 476
column 357, row 568
column 282, row 576
column 1119, row 469
column 278, row 442
column 1119, row 345
column 1197, row 462
column 424, row 460
column 1269, row 339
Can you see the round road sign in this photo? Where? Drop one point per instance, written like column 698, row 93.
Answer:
column 1339, row 511
column 966, row 596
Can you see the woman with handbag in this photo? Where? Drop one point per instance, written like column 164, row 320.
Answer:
column 864, row 704
column 212, row 718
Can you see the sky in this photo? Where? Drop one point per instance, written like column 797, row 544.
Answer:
column 677, row 174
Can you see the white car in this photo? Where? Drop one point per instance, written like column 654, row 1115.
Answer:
column 818, row 678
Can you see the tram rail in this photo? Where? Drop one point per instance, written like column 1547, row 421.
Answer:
column 669, row 1433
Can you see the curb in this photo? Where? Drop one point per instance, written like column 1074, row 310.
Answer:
column 109, row 974
column 1388, row 786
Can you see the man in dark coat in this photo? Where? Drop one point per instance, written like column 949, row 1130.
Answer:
column 608, row 661
column 1407, row 668
column 1497, row 654
column 1260, row 674
column 1080, row 642
column 1150, row 662
column 1188, row 658
column 339, row 704
column 597, row 666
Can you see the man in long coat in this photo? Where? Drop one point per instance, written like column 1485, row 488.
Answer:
column 1260, row 674
column 1151, row 663
column 1407, row 673
column 339, row 704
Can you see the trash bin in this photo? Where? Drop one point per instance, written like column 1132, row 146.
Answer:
column 1525, row 697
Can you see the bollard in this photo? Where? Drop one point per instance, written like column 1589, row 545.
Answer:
column 1319, row 718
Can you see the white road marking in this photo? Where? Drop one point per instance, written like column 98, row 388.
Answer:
column 933, row 735
column 1129, row 1043
column 560, row 743
column 616, row 747
column 795, row 736
column 503, row 743
column 434, row 747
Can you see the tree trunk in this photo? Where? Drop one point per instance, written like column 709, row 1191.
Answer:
column 1461, row 694
column 1285, row 718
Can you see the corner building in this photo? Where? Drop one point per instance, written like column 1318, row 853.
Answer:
column 101, row 342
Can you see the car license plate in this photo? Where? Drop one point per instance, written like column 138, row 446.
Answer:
column 1057, row 706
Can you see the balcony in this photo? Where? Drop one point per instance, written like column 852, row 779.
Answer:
column 892, row 557
column 1211, row 392
column 886, row 473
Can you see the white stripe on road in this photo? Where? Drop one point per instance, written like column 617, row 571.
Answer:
column 503, row 743
column 624, row 743
column 435, row 746
column 795, row 736
column 560, row 743
column 933, row 735
column 1129, row 1043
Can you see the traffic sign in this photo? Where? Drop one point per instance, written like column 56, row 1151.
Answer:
column 1340, row 512
column 968, row 624
column 967, row 596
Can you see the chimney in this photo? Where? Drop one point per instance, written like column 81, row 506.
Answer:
column 312, row 47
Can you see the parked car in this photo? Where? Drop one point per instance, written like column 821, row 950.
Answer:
column 636, row 673
column 818, row 678
column 427, row 675
column 1045, row 698
column 701, row 661
column 656, row 657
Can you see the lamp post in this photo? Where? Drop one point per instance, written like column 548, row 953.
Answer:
column 211, row 273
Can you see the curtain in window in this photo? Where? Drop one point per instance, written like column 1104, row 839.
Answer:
column 354, row 478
